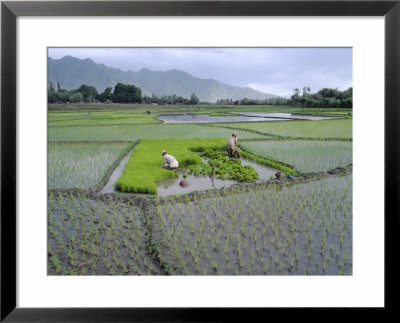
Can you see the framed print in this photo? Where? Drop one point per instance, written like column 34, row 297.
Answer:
column 168, row 160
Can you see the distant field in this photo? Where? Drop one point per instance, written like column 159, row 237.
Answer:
column 103, row 118
column 336, row 128
column 134, row 132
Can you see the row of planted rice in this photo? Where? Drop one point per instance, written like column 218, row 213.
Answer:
column 81, row 165
column 139, row 131
column 337, row 128
column 306, row 156
column 97, row 237
column 300, row 229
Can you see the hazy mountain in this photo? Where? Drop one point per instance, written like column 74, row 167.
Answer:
column 72, row 72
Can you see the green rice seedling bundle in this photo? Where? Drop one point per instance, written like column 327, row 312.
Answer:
column 220, row 166
column 143, row 168
column 305, row 156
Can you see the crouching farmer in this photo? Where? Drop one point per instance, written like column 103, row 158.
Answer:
column 169, row 161
column 232, row 147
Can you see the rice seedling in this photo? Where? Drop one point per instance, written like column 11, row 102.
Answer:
column 207, row 234
column 245, row 237
column 131, row 133
column 76, row 165
column 86, row 241
column 306, row 156
column 336, row 128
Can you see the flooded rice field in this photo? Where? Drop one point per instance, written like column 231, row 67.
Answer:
column 97, row 237
column 304, row 229
column 297, row 229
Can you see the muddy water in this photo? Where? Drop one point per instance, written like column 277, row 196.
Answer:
column 264, row 172
column 109, row 187
column 171, row 186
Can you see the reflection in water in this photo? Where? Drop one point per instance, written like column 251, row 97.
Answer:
column 171, row 186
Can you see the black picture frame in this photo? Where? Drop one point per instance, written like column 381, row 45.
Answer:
column 10, row 10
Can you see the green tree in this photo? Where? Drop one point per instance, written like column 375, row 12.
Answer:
column 51, row 87
column 106, row 95
column 75, row 97
column 194, row 99
column 89, row 92
column 124, row 93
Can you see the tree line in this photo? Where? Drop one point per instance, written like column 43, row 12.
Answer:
column 324, row 98
column 122, row 93
column 129, row 93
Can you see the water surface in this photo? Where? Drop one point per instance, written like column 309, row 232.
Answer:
column 287, row 116
column 244, row 117
column 171, row 186
column 205, row 118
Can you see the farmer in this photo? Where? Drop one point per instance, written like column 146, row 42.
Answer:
column 169, row 161
column 232, row 147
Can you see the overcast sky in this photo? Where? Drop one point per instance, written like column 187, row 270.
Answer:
column 271, row 70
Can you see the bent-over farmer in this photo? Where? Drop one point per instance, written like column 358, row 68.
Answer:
column 169, row 161
column 232, row 146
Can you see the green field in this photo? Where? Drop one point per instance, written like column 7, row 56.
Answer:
column 80, row 165
column 138, row 131
column 336, row 128
column 280, row 227
column 305, row 156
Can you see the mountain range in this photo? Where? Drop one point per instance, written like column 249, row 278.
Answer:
column 71, row 72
